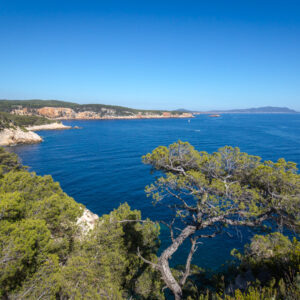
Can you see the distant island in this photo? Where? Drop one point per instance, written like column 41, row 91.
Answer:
column 257, row 110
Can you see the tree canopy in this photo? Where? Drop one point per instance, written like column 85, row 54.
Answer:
column 45, row 255
column 8, row 120
column 208, row 192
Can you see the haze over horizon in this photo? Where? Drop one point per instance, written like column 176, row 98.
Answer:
column 178, row 109
column 152, row 54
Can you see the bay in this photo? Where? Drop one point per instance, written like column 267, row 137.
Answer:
column 100, row 164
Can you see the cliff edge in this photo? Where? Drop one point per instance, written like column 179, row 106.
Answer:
column 65, row 113
column 52, row 126
column 14, row 136
column 62, row 110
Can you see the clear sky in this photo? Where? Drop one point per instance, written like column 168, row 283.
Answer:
column 152, row 54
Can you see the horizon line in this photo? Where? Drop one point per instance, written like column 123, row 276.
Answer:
column 175, row 109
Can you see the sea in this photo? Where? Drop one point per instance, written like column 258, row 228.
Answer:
column 100, row 164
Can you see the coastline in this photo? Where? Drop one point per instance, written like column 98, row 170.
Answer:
column 127, row 117
column 51, row 126
column 14, row 136
column 65, row 113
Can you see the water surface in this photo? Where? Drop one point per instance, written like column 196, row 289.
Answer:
column 100, row 164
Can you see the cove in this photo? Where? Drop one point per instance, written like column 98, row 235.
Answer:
column 100, row 164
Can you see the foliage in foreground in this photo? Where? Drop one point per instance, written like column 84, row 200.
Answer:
column 208, row 193
column 268, row 269
column 44, row 253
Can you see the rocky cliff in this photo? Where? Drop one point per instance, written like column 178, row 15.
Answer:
column 52, row 126
column 14, row 136
column 87, row 221
column 18, row 129
column 64, row 113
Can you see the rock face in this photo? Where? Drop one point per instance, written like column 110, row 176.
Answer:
column 52, row 126
column 56, row 112
column 87, row 221
column 15, row 135
column 63, row 113
column 11, row 136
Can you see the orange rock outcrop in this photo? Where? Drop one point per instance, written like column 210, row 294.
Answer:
column 56, row 112
column 64, row 113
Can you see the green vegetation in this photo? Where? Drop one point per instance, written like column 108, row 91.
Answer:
column 46, row 254
column 8, row 120
column 268, row 269
column 209, row 193
column 8, row 162
column 9, row 105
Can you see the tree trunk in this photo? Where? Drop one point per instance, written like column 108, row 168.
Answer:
column 163, row 262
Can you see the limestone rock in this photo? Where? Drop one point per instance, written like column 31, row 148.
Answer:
column 13, row 136
column 87, row 221
column 52, row 126
column 64, row 113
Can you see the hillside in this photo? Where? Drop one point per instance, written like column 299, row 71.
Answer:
column 19, row 129
column 47, row 251
column 51, row 248
column 10, row 105
column 8, row 120
column 68, row 110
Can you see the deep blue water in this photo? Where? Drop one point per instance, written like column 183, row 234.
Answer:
column 100, row 164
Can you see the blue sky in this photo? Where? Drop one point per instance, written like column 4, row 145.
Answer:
column 152, row 54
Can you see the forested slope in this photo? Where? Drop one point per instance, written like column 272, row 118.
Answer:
column 46, row 254
column 9, row 105
column 8, row 120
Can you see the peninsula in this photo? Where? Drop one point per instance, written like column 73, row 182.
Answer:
column 16, row 129
column 19, row 119
column 62, row 110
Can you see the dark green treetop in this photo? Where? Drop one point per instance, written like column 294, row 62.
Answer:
column 44, row 254
column 208, row 192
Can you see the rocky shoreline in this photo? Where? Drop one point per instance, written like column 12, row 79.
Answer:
column 51, row 126
column 65, row 113
column 14, row 136
column 176, row 116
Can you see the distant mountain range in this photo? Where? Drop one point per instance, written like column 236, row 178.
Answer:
column 257, row 110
